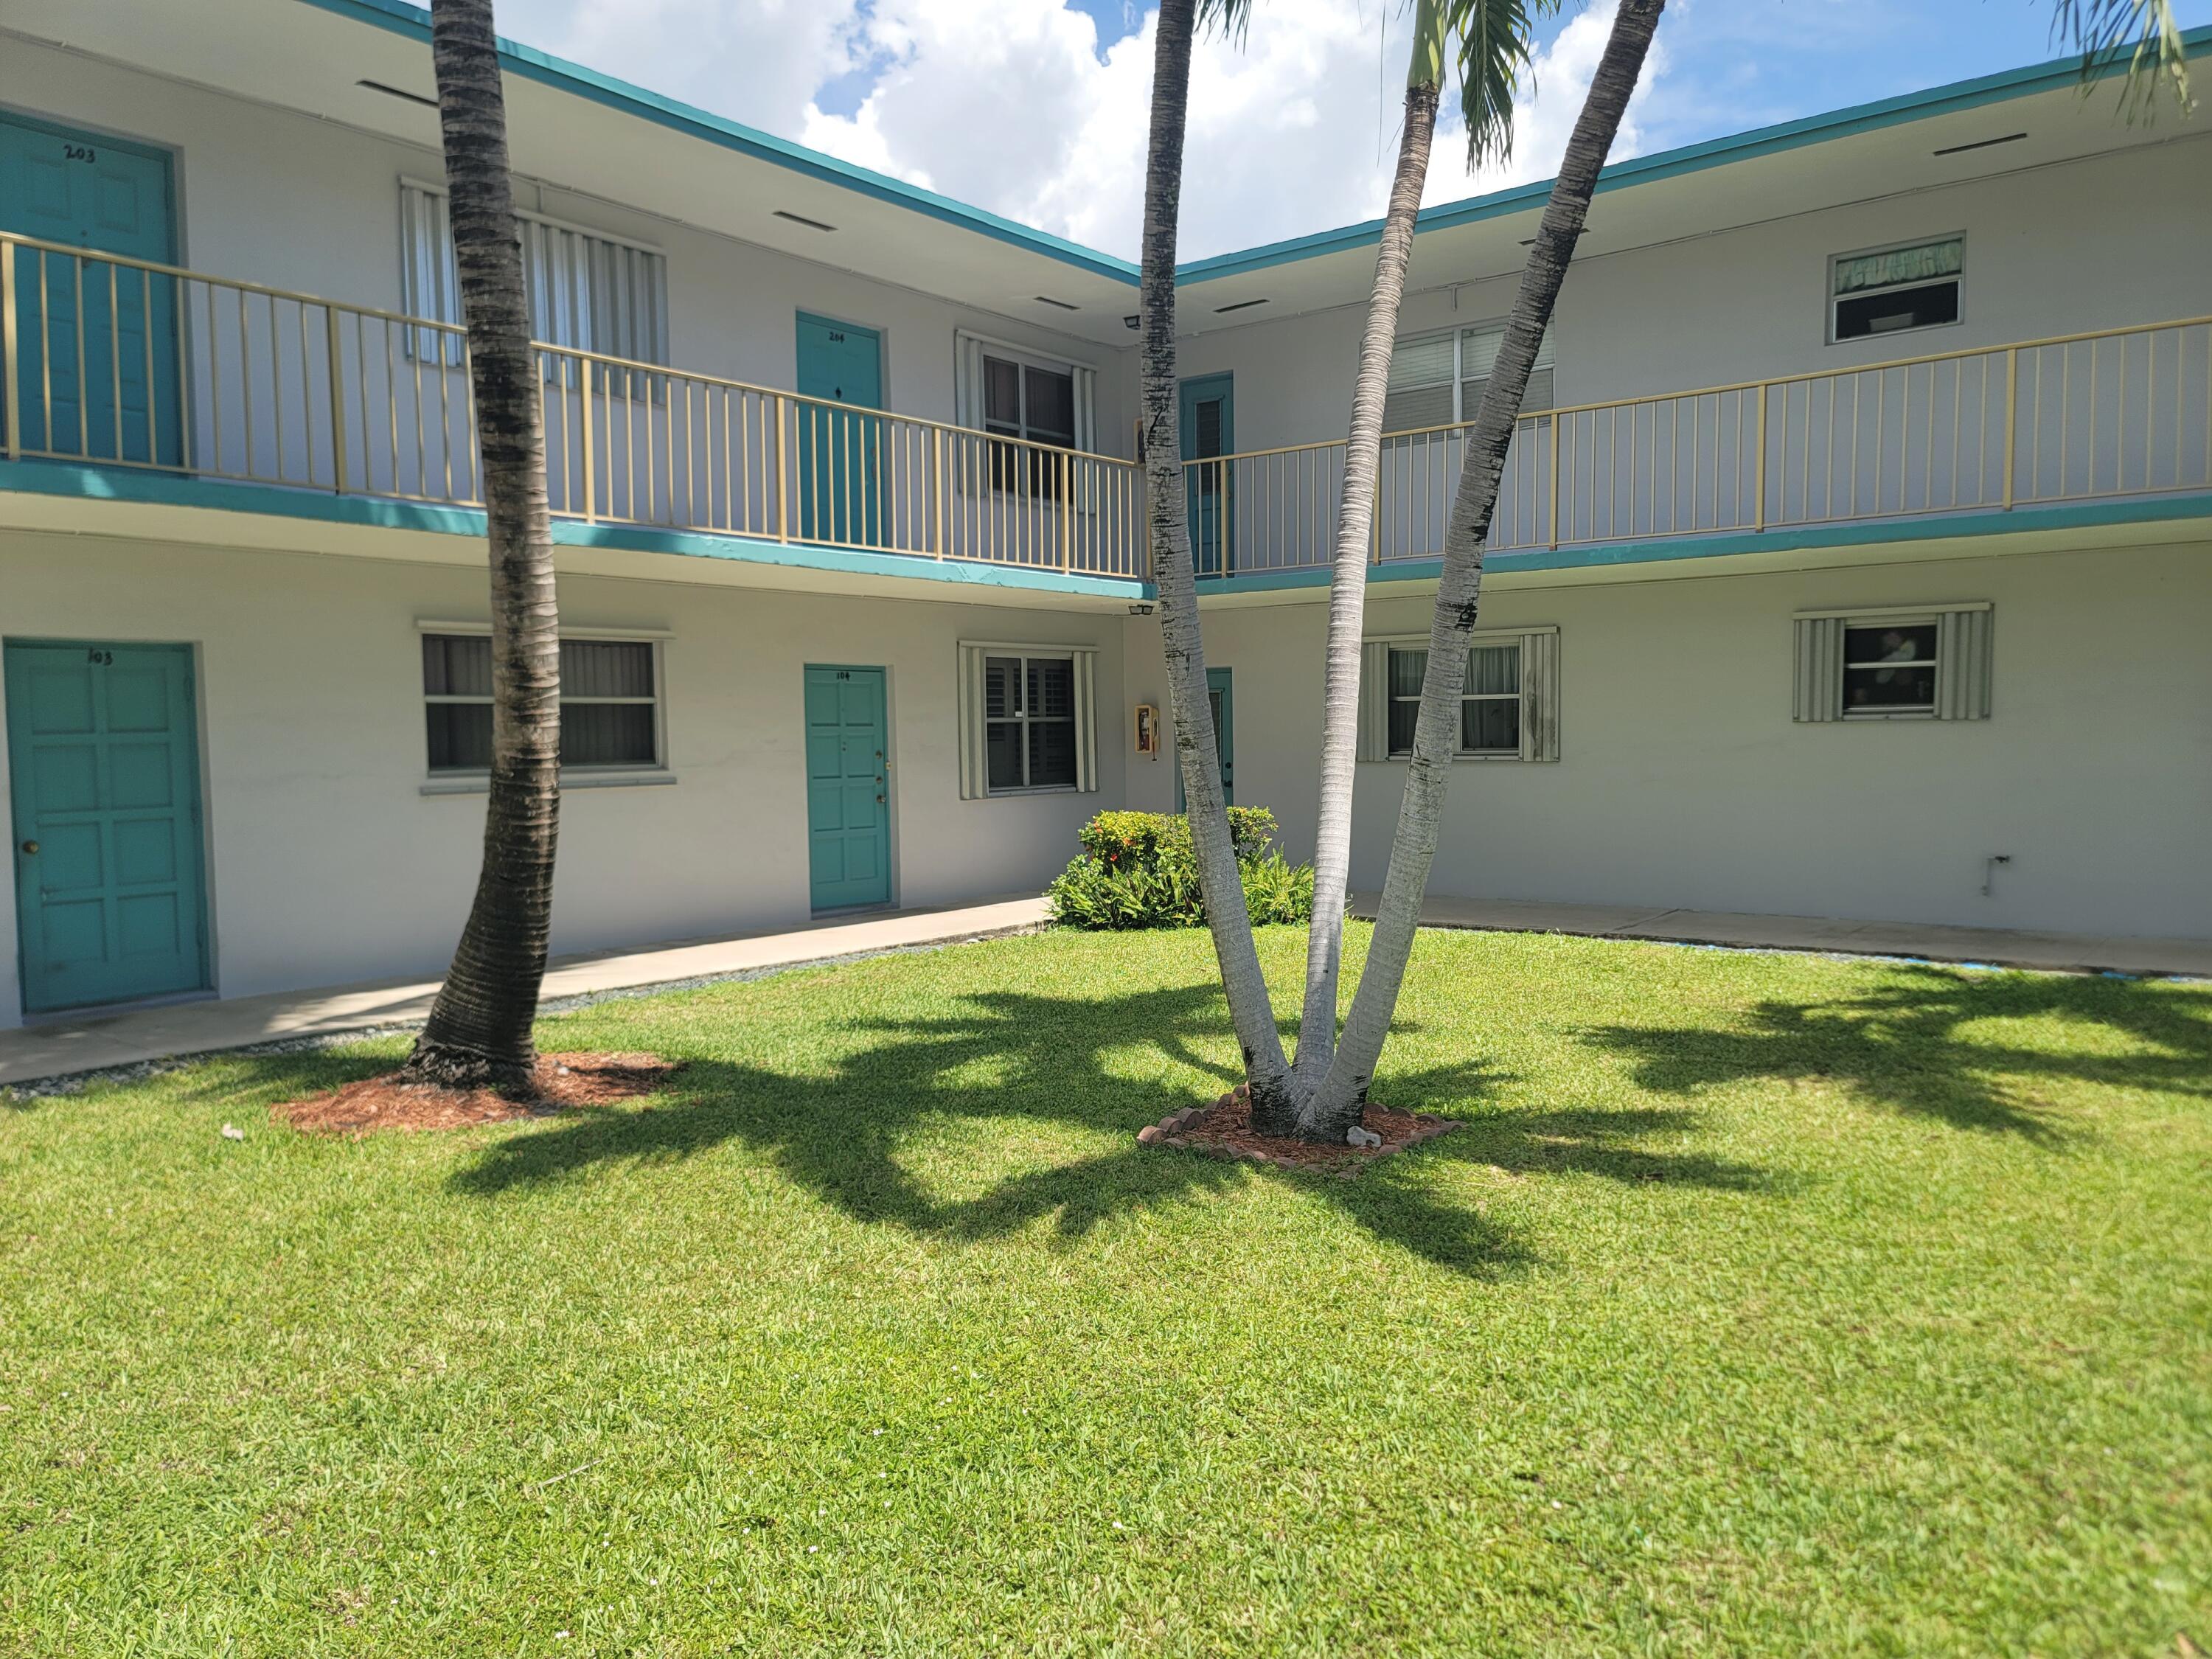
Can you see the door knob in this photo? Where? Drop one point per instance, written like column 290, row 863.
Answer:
column 30, row 846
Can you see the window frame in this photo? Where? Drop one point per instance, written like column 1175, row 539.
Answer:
column 1963, row 680
column 1547, row 360
column 1832, row 300
column 1536, row 690
column 1934, row 663
column 432, row 267
column 1023, row 656
column 471, row 781
column 1517, row 697
column 972, row 404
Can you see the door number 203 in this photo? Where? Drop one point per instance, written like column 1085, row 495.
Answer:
column 79, row 153
column 99, row 658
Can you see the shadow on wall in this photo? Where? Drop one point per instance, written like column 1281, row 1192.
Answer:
column 1908, row 1043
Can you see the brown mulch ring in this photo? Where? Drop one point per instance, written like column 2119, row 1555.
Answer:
column 1224, row 1129
column 563, row 1081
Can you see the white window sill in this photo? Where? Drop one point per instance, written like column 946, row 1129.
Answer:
column 1042, row 789
column 480, row 784
column 1869, row 717
column 1459, row 759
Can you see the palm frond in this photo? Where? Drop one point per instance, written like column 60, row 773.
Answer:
column 1497, row 46
column 1230, row 17
column 2144, row 34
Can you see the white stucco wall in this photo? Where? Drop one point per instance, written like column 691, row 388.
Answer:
column 272, row 196
column 328, row 864
column 1748, row 303
column 1684, row 782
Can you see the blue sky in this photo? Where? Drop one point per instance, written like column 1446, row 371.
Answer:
column 1035, row 108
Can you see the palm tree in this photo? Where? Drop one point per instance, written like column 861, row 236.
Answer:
column 1496, row 38
column 479, row 1029
column 1175, row 574
column 2142, row 33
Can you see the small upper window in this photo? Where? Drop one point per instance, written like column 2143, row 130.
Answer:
column 1437, row 380
column 1897, row 288
column 610, row 714
column 1893, row 665
column 1032, row 402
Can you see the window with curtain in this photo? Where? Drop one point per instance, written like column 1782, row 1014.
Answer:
column 1894, row 290
column 1437, row 380
column 588, row 291
column 1509, row 708
column 1489, row 706
column 609, row 704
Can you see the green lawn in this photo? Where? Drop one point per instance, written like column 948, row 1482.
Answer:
column 1769, row 1305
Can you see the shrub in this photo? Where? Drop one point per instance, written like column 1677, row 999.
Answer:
column 1140, row 870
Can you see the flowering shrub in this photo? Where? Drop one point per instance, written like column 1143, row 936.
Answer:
column 1140, row 870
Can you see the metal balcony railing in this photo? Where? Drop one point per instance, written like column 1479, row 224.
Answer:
column 117, row 361
column 121, row 362
column 2120, row 411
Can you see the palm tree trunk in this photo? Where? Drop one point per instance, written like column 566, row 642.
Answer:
column 1176, row 579
column 479, row 1029
column 1336, row 1105
column 1348, row 590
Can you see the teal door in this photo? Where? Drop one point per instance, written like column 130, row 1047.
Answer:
column 1209, row 428
column 103, row 763
column 848, row 820
column 1221, row 704
column 96, row 372
column 839, row 455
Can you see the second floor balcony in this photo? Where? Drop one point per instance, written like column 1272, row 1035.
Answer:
column 123, row 363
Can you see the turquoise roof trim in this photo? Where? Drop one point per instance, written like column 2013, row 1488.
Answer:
column 401, row 18
column 2056, row 515
column 1690, row 158
column 223, row 495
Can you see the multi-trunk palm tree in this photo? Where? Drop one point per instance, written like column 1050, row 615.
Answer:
column 1321, row 1097
column 479, row 1029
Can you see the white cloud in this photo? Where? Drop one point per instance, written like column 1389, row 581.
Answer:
column 760, row 62
column 1011, row 106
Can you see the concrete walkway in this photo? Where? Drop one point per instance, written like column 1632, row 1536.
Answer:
column 191, row 1028
column 1995, row 946
column 204, row 1027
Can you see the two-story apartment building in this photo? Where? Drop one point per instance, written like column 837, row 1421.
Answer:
column 1853, row 561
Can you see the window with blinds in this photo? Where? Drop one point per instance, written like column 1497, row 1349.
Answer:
column 1028, row 718
column 609, row 704
column 1437, row 380
column 588, row 291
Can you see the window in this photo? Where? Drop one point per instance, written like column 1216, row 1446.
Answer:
column 1893, row 665
column 1437, row 380
column 1490, row 707
column 1029, row 722
column 588, row 291
column 1508, row 708
column 1894, row 290
column 1027, row 718
column 1027, row 400
column 609, row 711
column 1012, row 392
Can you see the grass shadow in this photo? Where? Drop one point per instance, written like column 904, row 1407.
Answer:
column 841, row 1133
column 1903, row 1045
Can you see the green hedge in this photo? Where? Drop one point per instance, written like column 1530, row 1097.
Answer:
column 1140, row 870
